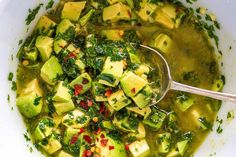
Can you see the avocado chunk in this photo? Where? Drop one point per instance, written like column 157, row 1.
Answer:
column 61, row 92
column 44, row 44
column 98, row 91
column 164, row 142
column 75, row 119
column 51, row 70
column 113, row 34
column 31, row 55
column 44, row 128
column 84, row 80
column 111, row 73
column 83, row 21
column 139, row 148
column 133, row 55
column 72, row 10
column 184, row 102
column 143, row 98
column 126, row 121
column 146, row 10
column 69, row 133
column 45, row 26
column 107, row 125
column 63, row 26
column 155, row 119
column 163, row 43
column 142, row 69
column 51, row 144
column 116, row 12
column 64, row 154
column 114, row 147
column 182, row 147
column 141, row 111
column 132, row 84
column 118, row 100
column 140, row 133
column 33, row 86
column 59, row 45
column 29, row 104
column 63, row 106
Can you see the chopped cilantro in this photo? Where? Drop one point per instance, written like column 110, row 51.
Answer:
column 37, row 100
column 10, row 76
column 32, row 14
column 50, row 4
column 14, row 86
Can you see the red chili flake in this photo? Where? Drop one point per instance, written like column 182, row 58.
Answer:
column 85, row 81
column 83, row 104
column 97, row 139
column 87, row 139
column 78, row 89
column 133, row 90
column 106, row 113
column 74, row 139
column 111, row 147
column 102, row 108
column 90, row 103
column 108, row 92
column 177, row 10
column 98, row 131
column 70, row 55
column 102, row 136
column 127, row 147
column 81, row 131
column 104, row 142
column 87, row 153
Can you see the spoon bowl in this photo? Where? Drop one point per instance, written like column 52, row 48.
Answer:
column 167, row 83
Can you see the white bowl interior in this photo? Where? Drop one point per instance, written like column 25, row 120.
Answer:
column 13, row 28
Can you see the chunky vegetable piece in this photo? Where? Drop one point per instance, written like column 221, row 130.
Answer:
column 87, row 89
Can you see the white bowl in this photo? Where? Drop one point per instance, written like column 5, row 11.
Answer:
column 13, row 28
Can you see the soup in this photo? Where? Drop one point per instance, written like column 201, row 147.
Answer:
column 85, row 89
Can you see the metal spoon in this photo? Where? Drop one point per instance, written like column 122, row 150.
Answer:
column 169, row 84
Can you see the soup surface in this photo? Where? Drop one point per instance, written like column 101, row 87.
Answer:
column 84, row 91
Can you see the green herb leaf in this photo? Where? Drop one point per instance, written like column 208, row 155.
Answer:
column 32, row 14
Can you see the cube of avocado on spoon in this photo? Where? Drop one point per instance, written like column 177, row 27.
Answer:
column 51, row 70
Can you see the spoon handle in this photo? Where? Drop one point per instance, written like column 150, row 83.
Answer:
column 203, row 92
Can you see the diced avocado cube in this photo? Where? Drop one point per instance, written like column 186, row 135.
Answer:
column 59, row 45
column 112, row 148
column 146, row 10
column 139, row 149
column 118, row 100
column 162, row 16
column 132, row 84
column 141, row 111
column 155, row 119
column 107, row 125
column 45, row 26
column 164, row 142
column 61, row 93
column 182, row 147
column 84, row 80
column 143, row 98
column 133, row 55
column 172, row 122
column 80, row 64
column 112, row 1
column 63, row 26
column 64, row 154
column 116, row 12
column 142, row 69
column 141, row 132
column 63, row 107
column 184, row 102
column 98, row 91
column 72, row 10
column 44, row 44
column 113, row 34
column 44, row 128
column 33, row 86
column 51, row 70
column 111, row 73
column 75, row 119
column 217, row 85
column 163, row 43
column 83, row 21
column 29, row 104
column 52, row 145
column 31, row 55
